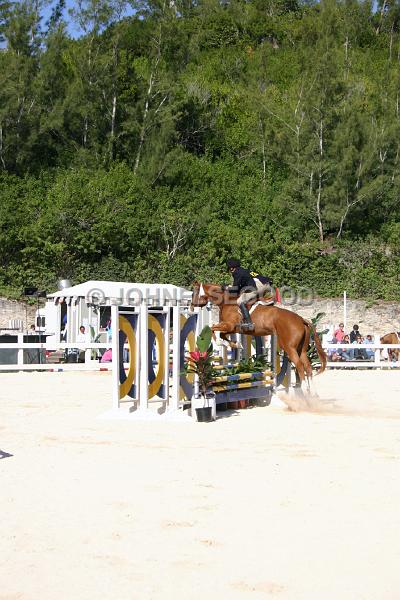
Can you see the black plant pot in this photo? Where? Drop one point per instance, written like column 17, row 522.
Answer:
column 204, row 415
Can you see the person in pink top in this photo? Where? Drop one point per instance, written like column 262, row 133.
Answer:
column 107, row 356
column 339, row 333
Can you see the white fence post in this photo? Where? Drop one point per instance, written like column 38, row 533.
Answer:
column 166, row 356
column 115, row 356
column 176, row 356
column 20, row 359
column 144, row 357
column 377, row 357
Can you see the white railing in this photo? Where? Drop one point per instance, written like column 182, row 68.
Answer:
column 376, row 361
column 21, row 365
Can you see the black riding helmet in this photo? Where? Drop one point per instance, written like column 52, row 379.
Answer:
column 232, row 263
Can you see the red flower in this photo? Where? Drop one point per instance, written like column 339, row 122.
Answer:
column 197, row 356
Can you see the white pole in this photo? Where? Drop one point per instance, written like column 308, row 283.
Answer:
column 88, row 352
column 345, row 310
column 144, row 357
column 20, row 352
column 176, row 340
column 115, row 356
column 69, row 323
column 137, row 369
column 166, row 356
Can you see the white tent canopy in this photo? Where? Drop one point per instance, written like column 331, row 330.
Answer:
column 108, row 293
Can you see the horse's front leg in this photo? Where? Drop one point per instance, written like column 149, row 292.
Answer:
column 221, row 331
column 220, row 339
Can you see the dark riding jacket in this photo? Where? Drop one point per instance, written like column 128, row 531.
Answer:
column 241, row 280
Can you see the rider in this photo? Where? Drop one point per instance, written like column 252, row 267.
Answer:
column 262, row 281
column 245, row 286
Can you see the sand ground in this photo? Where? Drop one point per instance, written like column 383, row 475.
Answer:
column 264, row 504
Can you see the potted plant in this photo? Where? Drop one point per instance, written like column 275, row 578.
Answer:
column 200, row 363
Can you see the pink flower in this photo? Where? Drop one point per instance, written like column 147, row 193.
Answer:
column 197, row 356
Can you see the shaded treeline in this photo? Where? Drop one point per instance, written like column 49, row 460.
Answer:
column 155, row 145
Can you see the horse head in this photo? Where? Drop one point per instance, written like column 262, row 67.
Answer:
column 206, row 292
column 198, row 297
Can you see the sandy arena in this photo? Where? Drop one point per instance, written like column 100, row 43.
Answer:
column 267, row 503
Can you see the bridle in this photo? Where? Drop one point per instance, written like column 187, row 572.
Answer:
column 199, row 297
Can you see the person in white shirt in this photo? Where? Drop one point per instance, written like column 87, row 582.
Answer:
column 82, row 337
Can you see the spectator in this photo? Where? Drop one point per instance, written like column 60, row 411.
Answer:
column 82, row 338
column 339, row 333
column 107, row 356
column 370, row 353
column 109, row 330
column 347, row 354
column 354, row 333
column 361, row 353
column 334, row 354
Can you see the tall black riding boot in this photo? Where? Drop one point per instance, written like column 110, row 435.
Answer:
column 247, row 324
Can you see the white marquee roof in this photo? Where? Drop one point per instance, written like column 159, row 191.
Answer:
column 106, row 293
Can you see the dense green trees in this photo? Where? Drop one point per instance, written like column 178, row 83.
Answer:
column 155, row 145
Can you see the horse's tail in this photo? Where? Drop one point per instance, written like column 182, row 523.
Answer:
column 321, row 352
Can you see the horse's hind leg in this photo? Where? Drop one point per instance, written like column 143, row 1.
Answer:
column 296, row 360
column 310, row 390
column 307, row 365
column 302, row 348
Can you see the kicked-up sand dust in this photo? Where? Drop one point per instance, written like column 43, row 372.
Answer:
column 263, row 503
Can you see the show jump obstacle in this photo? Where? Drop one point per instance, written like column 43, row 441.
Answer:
column 157, row 339
column 155, row 330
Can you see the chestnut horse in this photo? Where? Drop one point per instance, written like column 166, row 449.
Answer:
column 293, row 332
column 392, row 338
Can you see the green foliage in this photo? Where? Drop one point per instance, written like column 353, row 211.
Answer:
column 312, row 352
column 201, row 361
column 254, row 364
column 153, row 147
column 203, row 340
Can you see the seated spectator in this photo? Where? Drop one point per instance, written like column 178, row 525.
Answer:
column 370, row 353
column 354, row 333
column 339, row 333
column 334, row 353
column 107, row 356
column 347, row 354
column 360, row 354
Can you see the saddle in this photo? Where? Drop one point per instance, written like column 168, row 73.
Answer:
column 265, row 301
column 251, row 306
